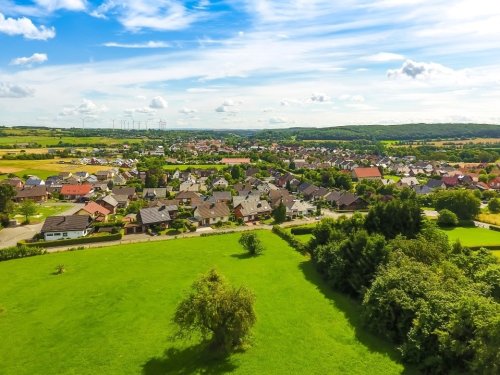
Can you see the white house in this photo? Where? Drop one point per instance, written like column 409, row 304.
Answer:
column 65, row 227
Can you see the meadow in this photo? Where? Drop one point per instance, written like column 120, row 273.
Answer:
column 111, row 312
column 44, row 168
column 470, row 236
column 183, row 167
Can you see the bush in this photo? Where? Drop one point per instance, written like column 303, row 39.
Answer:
column 20, row 251
column 251, row 243
column 290, row 238
column 302, row 230
column 73, row 241
column 447, row 218
column 494, row 205
column 4, row 220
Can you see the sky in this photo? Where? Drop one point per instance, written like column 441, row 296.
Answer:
column 248, row 64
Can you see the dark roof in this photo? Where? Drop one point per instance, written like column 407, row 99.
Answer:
column 128, row 191
column 212, row 210
column 224, row 195
column 248, row 208
column 35, row 191
column 153, row 215
column 64, row 223
column 154, row 193
column 434, row 183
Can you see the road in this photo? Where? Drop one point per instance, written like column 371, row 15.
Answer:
column 11, row 236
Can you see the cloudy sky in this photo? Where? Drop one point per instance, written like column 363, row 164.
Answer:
column 248, row 63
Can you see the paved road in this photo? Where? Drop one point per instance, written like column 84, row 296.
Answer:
column 11, row 236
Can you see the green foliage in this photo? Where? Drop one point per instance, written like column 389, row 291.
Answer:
column 7, row 192
column 20, row 251
column 395, row 217
column 27, row 208
column 251, row 243
column 60, row 269
column 218, row 311
column 494, row 205
column 73, row 241
column 290, row 238
column 462, row 202
column 301, row 230
column 279, row 213
column 447, row 218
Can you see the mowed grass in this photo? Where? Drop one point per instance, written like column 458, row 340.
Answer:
column 473, row 236
column 45, row 168
column 43, row 211
column 110, row 313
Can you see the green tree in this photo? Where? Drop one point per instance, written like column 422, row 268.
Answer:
column 7, row 192
column 178, row 224
column 251, row 243
column 395, row 217
column 462, row 202
column 236, row 172
column 494, row 205
column 221, row 313
column 447, row 218
column 279, row 213
column 27, row 208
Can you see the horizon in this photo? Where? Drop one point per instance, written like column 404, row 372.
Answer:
column 249, row 64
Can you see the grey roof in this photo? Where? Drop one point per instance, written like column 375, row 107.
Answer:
column 109, row 199
column 128, row 191
column 248, row 208
column 154, row 193
column 153, row 215
column 65, row 223
column 211, row 210
column 249, row 198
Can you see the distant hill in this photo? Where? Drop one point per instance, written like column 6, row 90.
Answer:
column 384, row 132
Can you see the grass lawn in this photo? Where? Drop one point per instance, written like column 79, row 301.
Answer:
column 110, row 313
column 43, row 211
column 183, row 167
column 44, row 168
column 473, row 236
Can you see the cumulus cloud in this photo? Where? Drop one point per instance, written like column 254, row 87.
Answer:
column 10, row 90
column 158, row 103
column 151, row 44
column 285, row 102
column 36, row 58
column 228, row 106
column 187, row 111
column 419, row 70
column 53, row 5
column 87, row 108
column 352, row 98
column 278, row 120
column 320, row 98
column 384, row 57
column 25, row 27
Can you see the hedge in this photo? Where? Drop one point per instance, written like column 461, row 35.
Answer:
column 73, row 241
column 20, row 251
column 495, row 228
column 108, row 224
column 487, row 247
column 290, row 238
column 302, row 230
column 217, row 233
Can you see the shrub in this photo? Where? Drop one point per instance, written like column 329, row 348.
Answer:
column 302, row 230
column 494, row 205
column 73, row 241
column 20, row 251
column 251, row 243
column 447, row 218
column 290, row 238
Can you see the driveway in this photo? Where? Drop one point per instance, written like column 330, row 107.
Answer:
column 11, row 236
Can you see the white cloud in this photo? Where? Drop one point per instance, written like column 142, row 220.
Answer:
column 10, row 90
column 158, row 15
column 352, row 98
column 384, row 57
column 25, row 27
column 187, row 111
column 286, row 102
column 147, row 45
column 158, row 103
column 36, row 58
column 419, row 70
column 87, row 108
column 278, row 120
column 53, row 5
column 320, row 98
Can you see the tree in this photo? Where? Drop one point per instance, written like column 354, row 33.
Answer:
column 251, row 243
column 279, row 213
column 462, row 202
column 7, row 192
column 27, row 208
column 177, row 224
column 236, row 172
column 494, row 205
column 221, row 313
column 447, row 218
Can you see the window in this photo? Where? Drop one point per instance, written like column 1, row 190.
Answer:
column 65, row 234
column 49, row 234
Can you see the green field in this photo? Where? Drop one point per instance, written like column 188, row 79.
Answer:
column 47, row 141
column 110, row 313
column 183, row 167
column 473, row 236
column 44, row 168
column 44, row 210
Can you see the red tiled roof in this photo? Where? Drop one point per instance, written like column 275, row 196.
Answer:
column 76, row 189
column 93, row 207
column 367, row 172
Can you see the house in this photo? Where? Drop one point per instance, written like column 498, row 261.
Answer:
column 15, row 182
column 422, row 189
column 235, row 161
column 450, row 181
column 350, row 202
column 122, row 200
column 408, row 182
column 65, row 227
column 435, row 184
column 297, row 208
column 369, row 173
column 220, row 196
column 252, row 210
column 76, row 192
column 189, row 186
column 34, row 181
column 188, row 197
column 127, row 191
column 153, row 216
column 94, row 210
column 154, row 193
column 35, row 193
column 109, row 202
column 220, row 183
column 211, row 213
column 104, row 175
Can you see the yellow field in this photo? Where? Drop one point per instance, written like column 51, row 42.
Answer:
column 490, row 218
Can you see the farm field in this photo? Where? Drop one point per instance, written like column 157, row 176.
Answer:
column 110, row 313
column 44, row 168
column 473, row 236
column 46, row 140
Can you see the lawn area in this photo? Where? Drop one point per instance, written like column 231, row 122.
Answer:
column 183, row 167
column 110, row 313
column 43, row 211
column 44, row 168
column 473, row 236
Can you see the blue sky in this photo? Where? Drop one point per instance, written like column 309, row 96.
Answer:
column 248, row 63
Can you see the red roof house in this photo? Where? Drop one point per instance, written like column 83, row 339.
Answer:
column 76, row 191
column 370, row 173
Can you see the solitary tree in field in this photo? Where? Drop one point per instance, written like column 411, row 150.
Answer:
column 251, row 243
column 221, row 313
column 27, row 209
